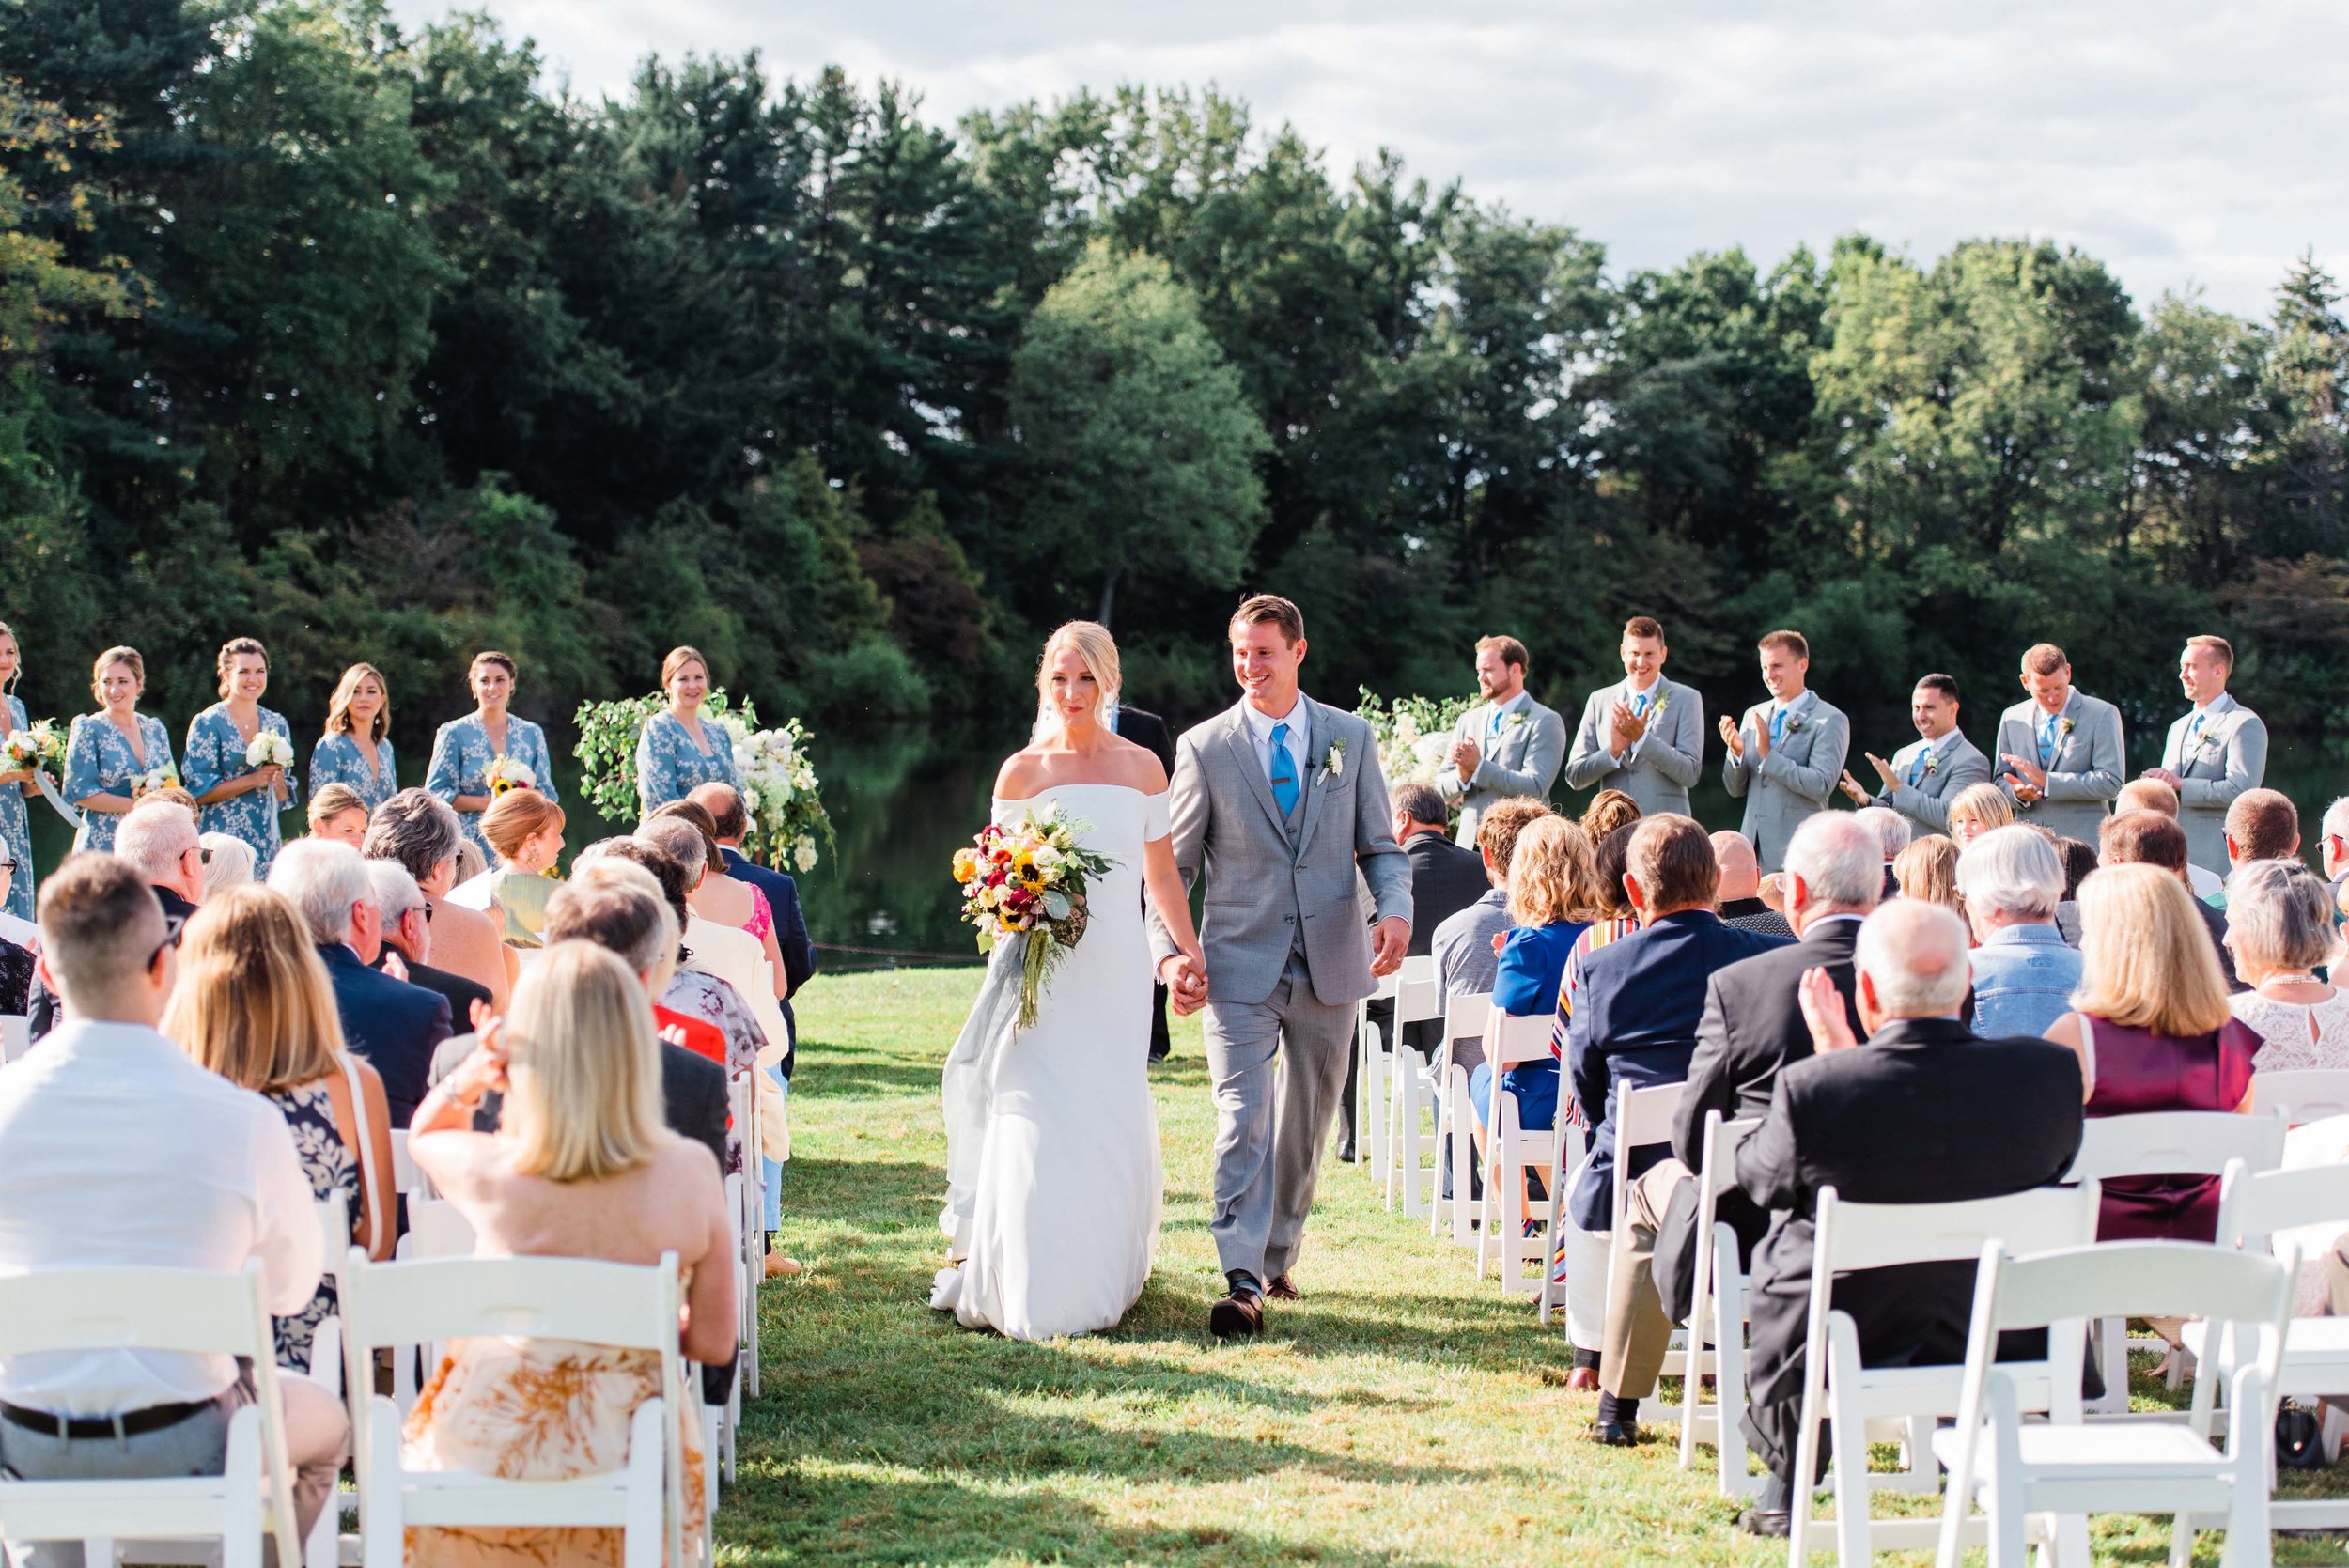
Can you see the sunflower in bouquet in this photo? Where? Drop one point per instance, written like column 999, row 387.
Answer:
column 1027, row 882
column 503, row 774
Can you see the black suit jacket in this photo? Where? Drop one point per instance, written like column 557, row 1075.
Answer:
column 395, row 1025
column 461, row 993
column 1925, row 1112
column 1446, row 880
column 1149, row 732
column 692, row 1093
column 791, row 938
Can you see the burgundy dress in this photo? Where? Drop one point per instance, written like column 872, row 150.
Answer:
column 2137, row 1071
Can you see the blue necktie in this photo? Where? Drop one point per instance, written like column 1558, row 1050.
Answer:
column 1778, row 727
column 2047, row 740
column 2193, row 734
column 1638, row 705
column 1917, row 768
column 1284, row 771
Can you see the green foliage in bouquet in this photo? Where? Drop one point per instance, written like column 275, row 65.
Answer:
column 1413, row 733
column 777, row 776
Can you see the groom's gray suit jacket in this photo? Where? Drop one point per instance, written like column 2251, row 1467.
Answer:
column 1277, row 886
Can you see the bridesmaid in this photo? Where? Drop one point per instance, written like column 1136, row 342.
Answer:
column 16, row 827
column 356, row 749
column 108, row 752
column 464, row 747
column 239, row 798
column 677, row 752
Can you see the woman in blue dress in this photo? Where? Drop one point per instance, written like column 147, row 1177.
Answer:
column 240, row 798
column 464, row 747
column 110, row 753
column 356, row 749
column 16, row 827
column 679, row 750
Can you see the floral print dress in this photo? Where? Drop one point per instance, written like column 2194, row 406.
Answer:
column 99, row 761
column 670, row 766
column 215, row 755
column 309, row 1113
column 461, row 754
column 16, row 825
column 343, row 759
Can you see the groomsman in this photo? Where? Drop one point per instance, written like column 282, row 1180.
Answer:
column 1925, row 775
column 1785, row 759
column 1506, row 745
column 1644, row 736
column 2060, row 757
column 2214, row 753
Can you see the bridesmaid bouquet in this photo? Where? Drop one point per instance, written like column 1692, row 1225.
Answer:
column 41, row 747
column 268, row 750
column 779, row 792
column 1028, row 882
column 164, row 776
column 505, row 774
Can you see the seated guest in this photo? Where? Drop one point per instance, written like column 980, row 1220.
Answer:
column 118, row 1152
column 253, row 1005
column 158, row 839
column 1927, row 1111
column 420, row 831
column 1927, row 869
column 699, row 1036
column 1466, row 943
column 1637, row 1002
column 718, row 947
column 730, row 824
column 2078, row 861
column 1739, row 891
column 2262, row 824
column 2152, row 1031
column 2280, row 924
column 1752, row 1027
column 2024, row 971
column 525, row 832
column 1979, row 809
column 1892, row 835
column 1609, row 810
column 725, row 900
column 339, row 812
column 389, row 1023
column 1552, row 900
column 19, row 936
column 2149, row 838
column 408, row 941
column 2333, row 847
column 2155, row 795
column 229, row 862
column 580, row 1167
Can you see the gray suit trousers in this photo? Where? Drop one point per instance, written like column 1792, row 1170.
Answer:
column 1267, row 1158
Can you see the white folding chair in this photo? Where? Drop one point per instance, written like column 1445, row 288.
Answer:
column 2309, row 1094
column 16, row 1037
column 1717, row 1319
column 406, row 1177
column 1370, row 1080
column 1908, row 1401
column 1510, row 1149
column 2259, row 1212
column 742, row 1106
column 566, row 1299
column 97, row 1312
column 2164, row 1143
column 1411, row 1099
column 325, row 1547
column 435, row 1229
column 1643, row 1117
column 2070, row 1468
column 1463, row 1019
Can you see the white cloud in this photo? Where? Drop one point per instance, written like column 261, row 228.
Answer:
column 2182, row 144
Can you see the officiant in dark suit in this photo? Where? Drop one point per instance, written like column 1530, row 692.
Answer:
column 1149, row 732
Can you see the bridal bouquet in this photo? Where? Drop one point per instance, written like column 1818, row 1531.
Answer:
column 268, row 750
column 42, row 746
column 504, row 773
column 1029, row 881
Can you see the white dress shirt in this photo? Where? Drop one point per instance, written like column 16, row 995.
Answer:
column 118, row 1152
column 17, row 929
column 1260, row 727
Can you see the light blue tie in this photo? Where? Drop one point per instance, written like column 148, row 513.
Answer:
column 2193, row 734
column 1917, row 768
column 1284, row 771
column 2047, row 740
column 1638, row 705
column 1778, row 727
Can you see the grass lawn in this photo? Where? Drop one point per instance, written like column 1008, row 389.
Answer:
column 1402, row 1414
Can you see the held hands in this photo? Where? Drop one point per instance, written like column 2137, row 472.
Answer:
column 2165, row 775
column 1185, row 977
column 1823, row 1010
column 1465, row 756
column 1388, row 940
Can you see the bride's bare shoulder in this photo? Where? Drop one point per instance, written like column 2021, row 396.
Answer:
column 1136, row 766
column 1021, row 775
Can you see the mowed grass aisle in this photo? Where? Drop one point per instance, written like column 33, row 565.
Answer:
column 1402, row 1414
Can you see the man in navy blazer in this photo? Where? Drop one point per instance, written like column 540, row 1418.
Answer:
column 395, row 1026
column 1640, row 998
column 724, row 804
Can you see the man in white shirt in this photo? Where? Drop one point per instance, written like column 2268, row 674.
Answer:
column 1507, row 745
column 1644, row 736
column 117, row 1151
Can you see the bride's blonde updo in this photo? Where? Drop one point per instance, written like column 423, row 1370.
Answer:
column 1099, row 649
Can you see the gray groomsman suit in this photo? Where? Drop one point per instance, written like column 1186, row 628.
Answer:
column 1523, row 750
column 1661, row 764
column 1923, row 794
column 1792, row 784
column 1287, row 954
column 2085, row 771
column 2228, row 755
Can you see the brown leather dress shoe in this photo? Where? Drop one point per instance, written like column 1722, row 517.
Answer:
column 1585, row 1378
column 1280, row 1289
column 1238, row 1315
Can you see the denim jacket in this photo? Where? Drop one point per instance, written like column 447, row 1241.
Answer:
column 2024, row 977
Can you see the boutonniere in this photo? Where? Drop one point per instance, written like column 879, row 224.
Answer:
column 1517, row 720
column 2067, row 727
column 1333, row 760
column 1933, row 763
column 1656, row 708
column 1794, row 722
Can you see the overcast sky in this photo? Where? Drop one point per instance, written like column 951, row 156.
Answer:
column 2181, row 142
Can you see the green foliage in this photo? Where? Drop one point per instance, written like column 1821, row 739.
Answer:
column 777, row 776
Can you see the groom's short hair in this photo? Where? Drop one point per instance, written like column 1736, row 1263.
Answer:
column 1256, row 609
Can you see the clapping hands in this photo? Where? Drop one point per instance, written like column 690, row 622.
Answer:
column 1628, row 726
column 1823, row 1011
column 1730, row 738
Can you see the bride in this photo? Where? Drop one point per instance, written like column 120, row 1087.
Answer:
column 1051, row 1145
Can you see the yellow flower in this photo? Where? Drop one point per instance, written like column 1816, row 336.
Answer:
column 966, row 864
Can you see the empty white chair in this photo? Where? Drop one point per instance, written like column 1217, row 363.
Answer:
column 1370, row 1080
column 742, row 1105
column 2070, row 1468
column 1837, row 1388
column 1411, row 1099
column 1463, row 1019
column 325, row 1547
column 16, row 1037
column 565, row 1299
column 96, row 1310
column 1510, row 1149
column 2309, row 1094
column 1717, row 1319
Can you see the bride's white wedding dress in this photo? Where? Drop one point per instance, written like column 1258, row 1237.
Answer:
column 1053, row 1181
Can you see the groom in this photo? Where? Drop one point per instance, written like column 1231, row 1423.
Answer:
column 1279, row 799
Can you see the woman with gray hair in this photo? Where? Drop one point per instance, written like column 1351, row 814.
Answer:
column 2280, row 927
column 2024, row 971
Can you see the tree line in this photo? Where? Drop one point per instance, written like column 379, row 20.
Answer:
column 370, row 344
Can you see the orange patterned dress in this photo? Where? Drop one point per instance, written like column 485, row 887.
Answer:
column 538, row 1411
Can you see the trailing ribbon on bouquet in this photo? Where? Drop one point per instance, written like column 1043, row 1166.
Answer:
column 969, row 1086
column 57, row 802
